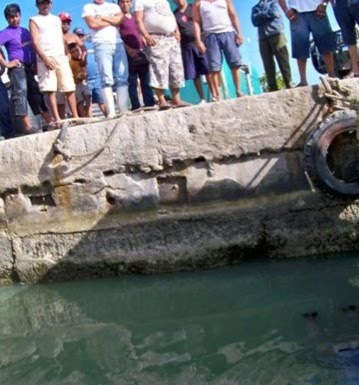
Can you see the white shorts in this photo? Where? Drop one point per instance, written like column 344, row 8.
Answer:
column 59, row 79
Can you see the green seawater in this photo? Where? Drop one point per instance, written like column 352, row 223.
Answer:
column 239, row 325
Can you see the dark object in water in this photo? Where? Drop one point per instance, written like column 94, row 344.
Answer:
column 311, row 315
column 349, row 309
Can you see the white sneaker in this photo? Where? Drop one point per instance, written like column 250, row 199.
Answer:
column 202, row 102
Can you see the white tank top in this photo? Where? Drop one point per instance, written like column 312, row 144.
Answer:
column 214, row 16
column 51, row 39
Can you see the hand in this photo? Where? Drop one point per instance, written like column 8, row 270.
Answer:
column 177, row 35
column 150, row 41
column 132, row 52
column 201, row 47
column 239, row 39
column 291, row 15
column 321, row 11
column 50, row 63
column 13, row 63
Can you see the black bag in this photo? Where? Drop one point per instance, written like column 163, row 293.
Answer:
column 139, row 60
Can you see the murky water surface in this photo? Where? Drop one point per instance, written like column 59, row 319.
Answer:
column 234, row 326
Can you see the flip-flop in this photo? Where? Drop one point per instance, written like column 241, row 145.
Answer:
column 164, row 106
column 182, row 104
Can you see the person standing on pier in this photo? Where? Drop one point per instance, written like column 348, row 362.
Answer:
column 69, row 38
column 23, row 86
column 307, row 17
column 6, row 129
column 137, row 59
column 53, row 67
column 347, row 15
column 272, row 42
column 158, row 27
column 219, row 23
column 104, row 19
column 195, row 63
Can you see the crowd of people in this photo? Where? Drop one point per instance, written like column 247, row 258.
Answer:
column 143, row 45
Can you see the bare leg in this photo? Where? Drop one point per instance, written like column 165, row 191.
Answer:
column 61, row 108
column 71, row 101
column 216, row 84
column 236, row 76
column 53, row 106
column 176, row 98
column 210, row 84
column 46, row 116
column 26, row 123
column 354, row 59
column 302, row 67
column 160, row 95
column 198, row 84
column 80, row 110
column 329, row 63
column 102, row 107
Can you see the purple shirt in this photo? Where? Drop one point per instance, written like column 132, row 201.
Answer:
column 17, row 41
column 130, row 33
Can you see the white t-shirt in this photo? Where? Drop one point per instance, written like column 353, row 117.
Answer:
column 157, row 15
column 51, row 40
column 215, row 17
column 304, row 5
column 109, row 34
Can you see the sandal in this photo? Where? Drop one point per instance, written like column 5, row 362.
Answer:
column 182, row 104
column 164, row 106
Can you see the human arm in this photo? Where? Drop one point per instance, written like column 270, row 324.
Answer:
column 141, row 26
column 289, row 12
column 235, row 22
column 95, row 22
column 177, row 34
column 114, row 20
column 264, row 12
column 321, row 10
column 197, row 27
column 8, row 64
column 132, row 52
column 2, row 68
column 34, row 31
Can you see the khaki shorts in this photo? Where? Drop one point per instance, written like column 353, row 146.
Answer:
column 82, row 91
column 59, row 79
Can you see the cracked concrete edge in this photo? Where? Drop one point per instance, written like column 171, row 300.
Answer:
column 178, row 243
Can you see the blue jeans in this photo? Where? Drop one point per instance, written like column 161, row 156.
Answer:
column 147, row 91
column 5, row 121
column 18, row 90
column 112, row 64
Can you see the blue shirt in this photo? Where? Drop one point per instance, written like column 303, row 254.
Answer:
column 266, row 16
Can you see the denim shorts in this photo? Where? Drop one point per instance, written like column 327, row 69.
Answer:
column 219, row 44
column 195, row 63
column 321, row 30
column 347, row 15
column 94, row 85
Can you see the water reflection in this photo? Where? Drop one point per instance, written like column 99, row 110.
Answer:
column 241, row 325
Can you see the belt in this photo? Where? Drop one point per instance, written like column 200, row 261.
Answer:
column 172, row 34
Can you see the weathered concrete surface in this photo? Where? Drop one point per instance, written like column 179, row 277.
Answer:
column 200, row 186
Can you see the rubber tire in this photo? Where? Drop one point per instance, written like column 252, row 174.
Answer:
column 315, row 154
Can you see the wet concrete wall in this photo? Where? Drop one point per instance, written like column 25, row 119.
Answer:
column 167, row 191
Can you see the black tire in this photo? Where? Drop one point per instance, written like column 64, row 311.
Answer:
column 317, row 155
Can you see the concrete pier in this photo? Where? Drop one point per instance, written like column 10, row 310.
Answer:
column 166, row 191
